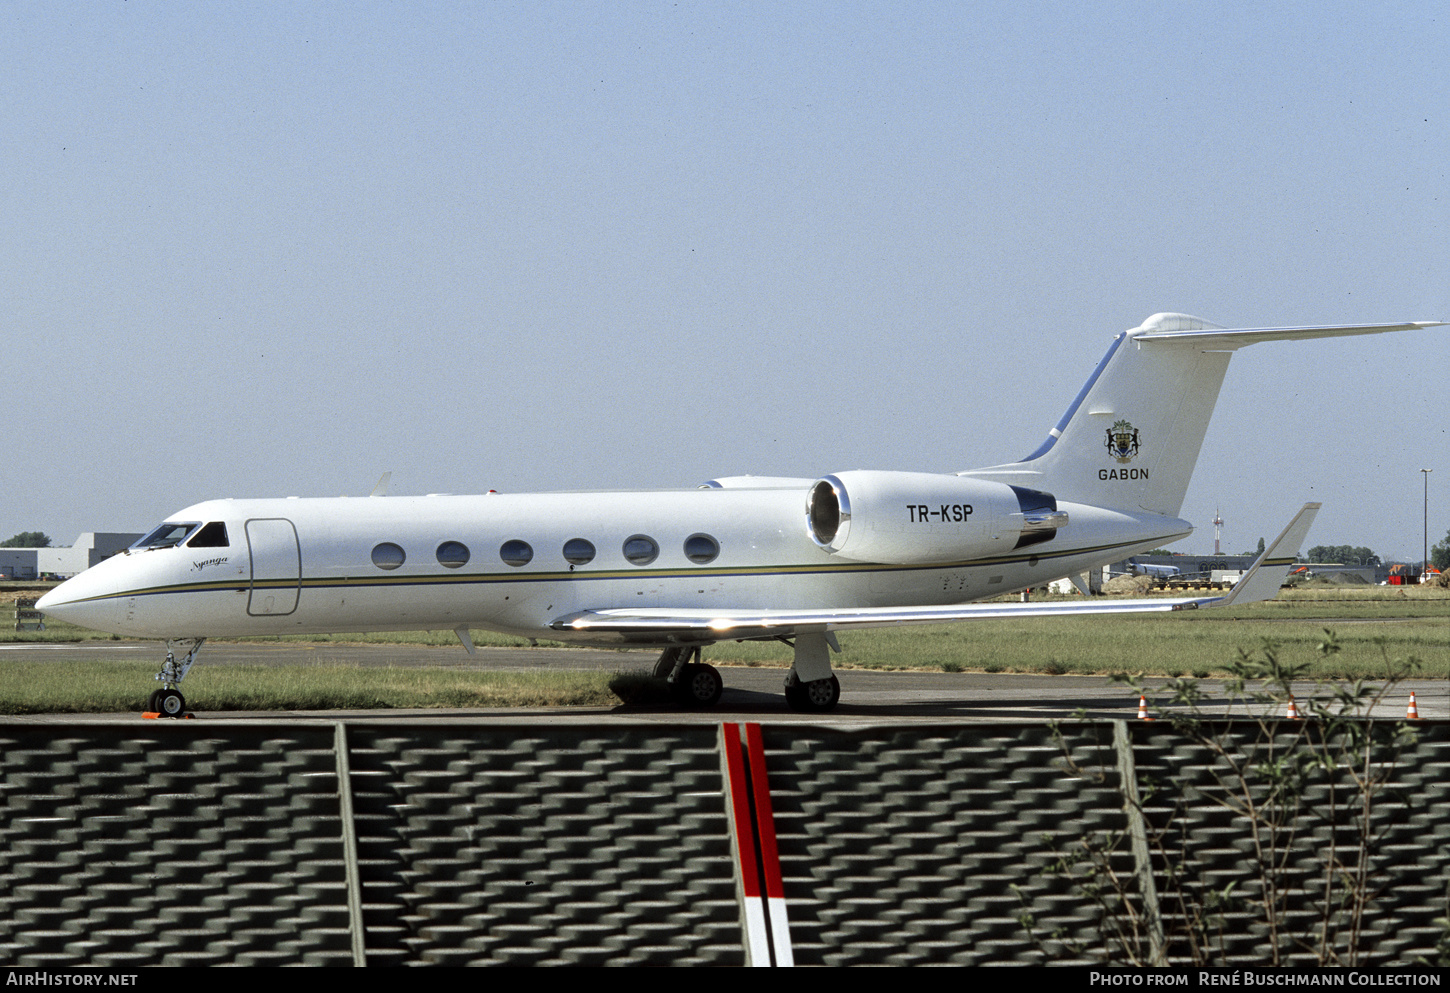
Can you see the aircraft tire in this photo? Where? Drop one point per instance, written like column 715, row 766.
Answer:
column 153, row 702
column 170, row 703
column 795, row 696
column 699, row 686
column 820, row 695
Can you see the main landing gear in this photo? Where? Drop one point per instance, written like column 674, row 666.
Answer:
column 692, row 682
column 810, row 686
column 168, row 701
column 817, row 695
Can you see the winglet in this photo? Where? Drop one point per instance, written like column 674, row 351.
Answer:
column 1267, row 573
column 382, row 488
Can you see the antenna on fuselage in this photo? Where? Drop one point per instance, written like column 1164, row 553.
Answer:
column 382, row 488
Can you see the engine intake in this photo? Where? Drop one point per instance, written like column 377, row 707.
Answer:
column 908, row 518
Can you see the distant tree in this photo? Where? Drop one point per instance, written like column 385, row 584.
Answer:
column 1345, row 555
column 1260, row 549
column 27, row 539
column 1440, row 554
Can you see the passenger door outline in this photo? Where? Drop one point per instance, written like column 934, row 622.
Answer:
column 276, row 567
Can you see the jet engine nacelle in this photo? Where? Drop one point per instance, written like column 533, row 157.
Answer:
column 910, row 518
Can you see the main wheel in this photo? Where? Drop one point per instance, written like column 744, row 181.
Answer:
column 699, row 685
column 170, row 703
column 818, row 695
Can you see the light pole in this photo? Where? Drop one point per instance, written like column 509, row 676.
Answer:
column 1425, row 551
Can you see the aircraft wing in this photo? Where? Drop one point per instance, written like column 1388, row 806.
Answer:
column 654, row 624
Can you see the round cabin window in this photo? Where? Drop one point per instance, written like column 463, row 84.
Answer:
column 578, row 551
column 388, row 555
column 701, row 548
column 516, row 553
column 453, row 555
column 641, row 549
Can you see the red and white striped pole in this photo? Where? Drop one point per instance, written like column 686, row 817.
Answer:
column 757, row 859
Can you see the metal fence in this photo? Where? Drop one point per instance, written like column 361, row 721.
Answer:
column 486, row 843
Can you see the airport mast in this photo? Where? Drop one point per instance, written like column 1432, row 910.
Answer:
column 1217, row 531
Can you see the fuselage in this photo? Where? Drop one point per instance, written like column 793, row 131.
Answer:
column 516, row 562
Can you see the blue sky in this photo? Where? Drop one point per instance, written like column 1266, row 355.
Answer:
column 278, row 249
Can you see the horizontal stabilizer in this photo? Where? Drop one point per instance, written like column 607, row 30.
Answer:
column 1228, row 339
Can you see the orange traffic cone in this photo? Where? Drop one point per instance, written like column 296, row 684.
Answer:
column 1143, row 708
column 1412, row 713
column 1292, row 712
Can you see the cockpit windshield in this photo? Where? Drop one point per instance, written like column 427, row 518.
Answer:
column 166, row 536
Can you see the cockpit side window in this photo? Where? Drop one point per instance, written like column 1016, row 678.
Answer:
column 213, row 535
column 167, row 535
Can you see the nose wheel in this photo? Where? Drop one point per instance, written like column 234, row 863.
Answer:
column 167, row 703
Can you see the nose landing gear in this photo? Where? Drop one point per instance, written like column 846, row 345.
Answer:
column 168, row 701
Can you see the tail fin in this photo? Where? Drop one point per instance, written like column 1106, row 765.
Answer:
column 1131, row 438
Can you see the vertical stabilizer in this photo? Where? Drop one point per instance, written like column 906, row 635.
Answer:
column 1131, row 438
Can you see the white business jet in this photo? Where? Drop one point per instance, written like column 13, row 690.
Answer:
column 739, row 558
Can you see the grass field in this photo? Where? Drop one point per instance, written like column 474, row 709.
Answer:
column 1371, row 624
column 103, row 686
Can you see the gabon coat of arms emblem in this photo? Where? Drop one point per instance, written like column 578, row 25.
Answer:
column 1122, row 441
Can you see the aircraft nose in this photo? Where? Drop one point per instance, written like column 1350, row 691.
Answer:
column 52, row 600
column 73, row 603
